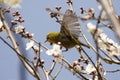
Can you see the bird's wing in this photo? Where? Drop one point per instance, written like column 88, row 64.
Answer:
column 70, row 24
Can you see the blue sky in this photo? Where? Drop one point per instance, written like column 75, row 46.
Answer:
column 38, row 21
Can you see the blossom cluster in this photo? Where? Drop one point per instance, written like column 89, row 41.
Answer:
column 12, row 3
column 55, row 51
column 89, row 70
column 31, row 43
column 104, row 43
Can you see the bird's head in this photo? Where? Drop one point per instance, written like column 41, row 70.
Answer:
column 52, row 37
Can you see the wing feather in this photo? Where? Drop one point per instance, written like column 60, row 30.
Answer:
column 70, row 24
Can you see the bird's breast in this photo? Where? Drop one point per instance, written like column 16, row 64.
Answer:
column 67, row 41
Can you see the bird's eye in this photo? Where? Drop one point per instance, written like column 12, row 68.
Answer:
column 48, row 37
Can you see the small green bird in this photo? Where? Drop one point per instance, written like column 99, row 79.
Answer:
column 70, row 31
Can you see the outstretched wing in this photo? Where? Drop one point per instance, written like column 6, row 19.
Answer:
column 70, row 24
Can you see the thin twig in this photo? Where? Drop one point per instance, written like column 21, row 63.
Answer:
column 36, row 71
column 93, row 64
column 52, row 67
column 39, row 43
column 25, row 63
column 87, row 41
column 59, row 70
column 83, row 77
column 113, row 71
column 14, row 49
column 45, row 72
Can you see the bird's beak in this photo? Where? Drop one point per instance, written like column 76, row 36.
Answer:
column 45, row 41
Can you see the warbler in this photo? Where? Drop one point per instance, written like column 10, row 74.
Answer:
column 69, row 32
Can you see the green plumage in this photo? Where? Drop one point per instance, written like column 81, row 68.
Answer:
column 69, row 32
column 66, row 41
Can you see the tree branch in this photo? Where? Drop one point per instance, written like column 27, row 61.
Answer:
column 15, row 46
column 109, row 9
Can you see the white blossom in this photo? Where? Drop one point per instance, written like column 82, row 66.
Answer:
column 77, row 68
column 101, row 41
column 108, row 45
column 13, row 3
column 90, row 68
column 92, row 28
column 55, row 51
column 95, row 78
column 19, row 29
column 37, row 49
column 1, row 24
column 29, row 44
column 32, row 34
